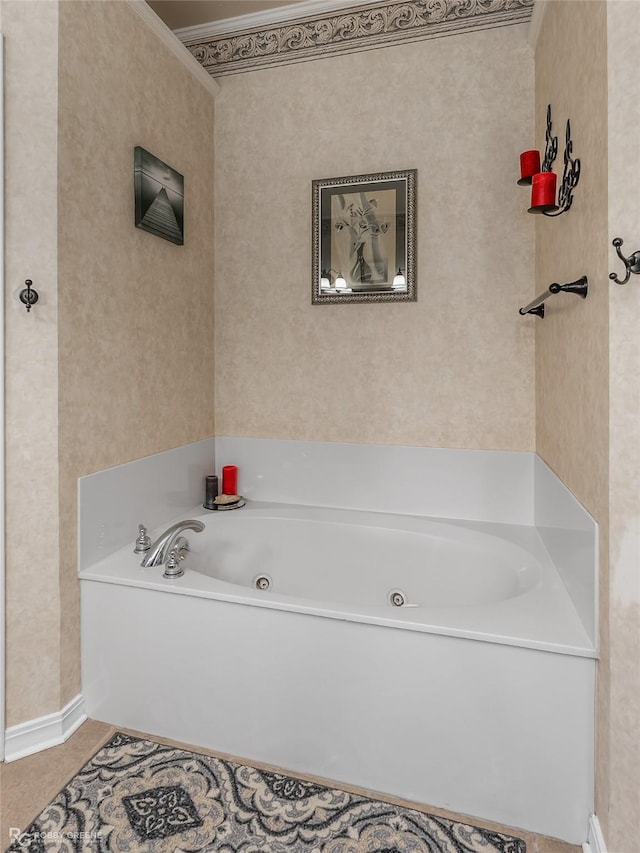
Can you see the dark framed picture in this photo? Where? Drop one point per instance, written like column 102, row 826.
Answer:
column 364, row 238
column 159, row 192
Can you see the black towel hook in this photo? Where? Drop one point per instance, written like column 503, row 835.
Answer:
column 632, row 263
column 29, row 295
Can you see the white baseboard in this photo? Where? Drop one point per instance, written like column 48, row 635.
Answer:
column 43, row 732
column 595, row 842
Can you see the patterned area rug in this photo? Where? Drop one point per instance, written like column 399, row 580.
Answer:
column 136, row 796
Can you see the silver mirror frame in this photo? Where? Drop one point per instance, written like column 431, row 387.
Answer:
column 405, row 225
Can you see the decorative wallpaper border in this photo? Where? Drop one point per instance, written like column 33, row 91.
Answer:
column 362, row 28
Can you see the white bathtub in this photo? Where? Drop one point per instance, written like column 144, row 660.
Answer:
column 476, row 695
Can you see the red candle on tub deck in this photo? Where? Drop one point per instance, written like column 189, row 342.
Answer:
column 229, row 480
column 529, row 165
column 543, row 189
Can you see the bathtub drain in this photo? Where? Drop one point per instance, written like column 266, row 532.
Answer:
column 397, row 598
column 262, row 582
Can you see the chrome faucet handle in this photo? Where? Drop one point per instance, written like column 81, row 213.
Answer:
column 143, row 542
column 172, row 568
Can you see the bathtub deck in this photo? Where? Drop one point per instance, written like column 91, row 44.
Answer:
column 543, row 618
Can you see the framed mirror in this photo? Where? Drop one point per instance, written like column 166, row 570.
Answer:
column 364, row 238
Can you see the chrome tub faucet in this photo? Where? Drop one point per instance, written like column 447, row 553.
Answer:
column 159, row 552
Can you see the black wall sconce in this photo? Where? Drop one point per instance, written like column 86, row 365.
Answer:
column 543, row 180
column 631, row 264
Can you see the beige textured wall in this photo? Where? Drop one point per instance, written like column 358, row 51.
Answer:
column 572, row 364
column 125, row 369
column 136, row 311
column 572, row 343
column 588, row 357
column 31, row 353
column 132, row 348
column 623, row 32
column 454, row 369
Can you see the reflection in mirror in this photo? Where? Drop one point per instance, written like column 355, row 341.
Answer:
column 364, row 238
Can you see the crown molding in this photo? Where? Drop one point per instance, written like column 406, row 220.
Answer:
column 166, row 36
column 265, row 19
column 363, row 27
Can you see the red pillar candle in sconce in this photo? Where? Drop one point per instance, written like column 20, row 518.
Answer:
column 229, row 480
column 543, row 191
column 529, row 166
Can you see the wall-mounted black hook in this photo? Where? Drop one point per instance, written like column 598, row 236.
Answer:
column 632, row 263
column 29, row 295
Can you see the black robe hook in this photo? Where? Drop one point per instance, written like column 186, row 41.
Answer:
column 29, row 295
column 632, row 263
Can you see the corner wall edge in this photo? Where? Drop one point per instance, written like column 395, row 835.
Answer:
column 535, row 24
column 173, row 43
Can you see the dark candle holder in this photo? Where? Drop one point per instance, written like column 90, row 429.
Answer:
column 550, row 145
column 570, row 177
column 570, row 172
column 546, row 209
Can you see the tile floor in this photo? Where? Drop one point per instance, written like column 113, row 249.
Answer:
column 27, row 785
